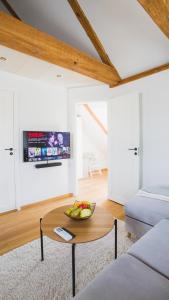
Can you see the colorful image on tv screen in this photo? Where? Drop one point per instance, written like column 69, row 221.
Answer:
column 45, row 145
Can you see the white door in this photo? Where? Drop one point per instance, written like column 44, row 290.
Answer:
column 124, row 147
column 7, row 184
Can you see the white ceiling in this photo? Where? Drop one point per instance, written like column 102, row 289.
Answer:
column 132, row 40
column 31, row 67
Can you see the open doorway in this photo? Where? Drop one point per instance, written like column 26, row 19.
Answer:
column 92, row 149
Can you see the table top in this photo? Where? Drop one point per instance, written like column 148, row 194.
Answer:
column 96, row 227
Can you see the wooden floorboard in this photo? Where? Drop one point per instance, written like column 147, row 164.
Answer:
column 21, row 227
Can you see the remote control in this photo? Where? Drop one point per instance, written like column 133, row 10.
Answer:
column 64, row 233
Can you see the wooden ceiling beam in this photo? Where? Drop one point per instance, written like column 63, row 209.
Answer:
column 91, row 34
column 144, row 74
column 19, row 36
column 158, row 10
column 10, row 9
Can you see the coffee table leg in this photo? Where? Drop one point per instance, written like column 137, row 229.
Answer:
column 73, row 269
column 41, row 241
column 115, row 237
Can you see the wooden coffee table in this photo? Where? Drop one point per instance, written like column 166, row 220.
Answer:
column 94, row 228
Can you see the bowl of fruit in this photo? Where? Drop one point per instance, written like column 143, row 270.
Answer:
column 81, row 210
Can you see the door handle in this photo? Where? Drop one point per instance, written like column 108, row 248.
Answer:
column 9, row 149
column 133, row 149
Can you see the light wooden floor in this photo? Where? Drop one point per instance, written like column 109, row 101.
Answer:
column 18, row 228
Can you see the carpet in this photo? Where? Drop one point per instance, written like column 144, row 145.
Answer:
column 24, row 277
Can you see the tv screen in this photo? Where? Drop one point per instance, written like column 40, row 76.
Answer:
column 45, row 145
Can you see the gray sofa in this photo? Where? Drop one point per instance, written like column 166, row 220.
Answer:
column 146, row 209
column 140, row 274
column 142, row 213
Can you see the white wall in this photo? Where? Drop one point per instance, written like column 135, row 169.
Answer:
column 44, row 107
column 100, row 110
column 37, row 107
column 155, row 113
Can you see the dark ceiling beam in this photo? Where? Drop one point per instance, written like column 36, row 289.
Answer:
column 10, row 9
column 82, row 18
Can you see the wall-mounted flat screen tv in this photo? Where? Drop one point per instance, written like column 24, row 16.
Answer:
column 45, row 145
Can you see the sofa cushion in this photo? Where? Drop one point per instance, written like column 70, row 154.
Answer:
column 127, row 279
column 136, row 227
column 147, row 210
column 153, row 248
column 162, row 190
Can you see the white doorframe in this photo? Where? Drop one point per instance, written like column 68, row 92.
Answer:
column 72, row 126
